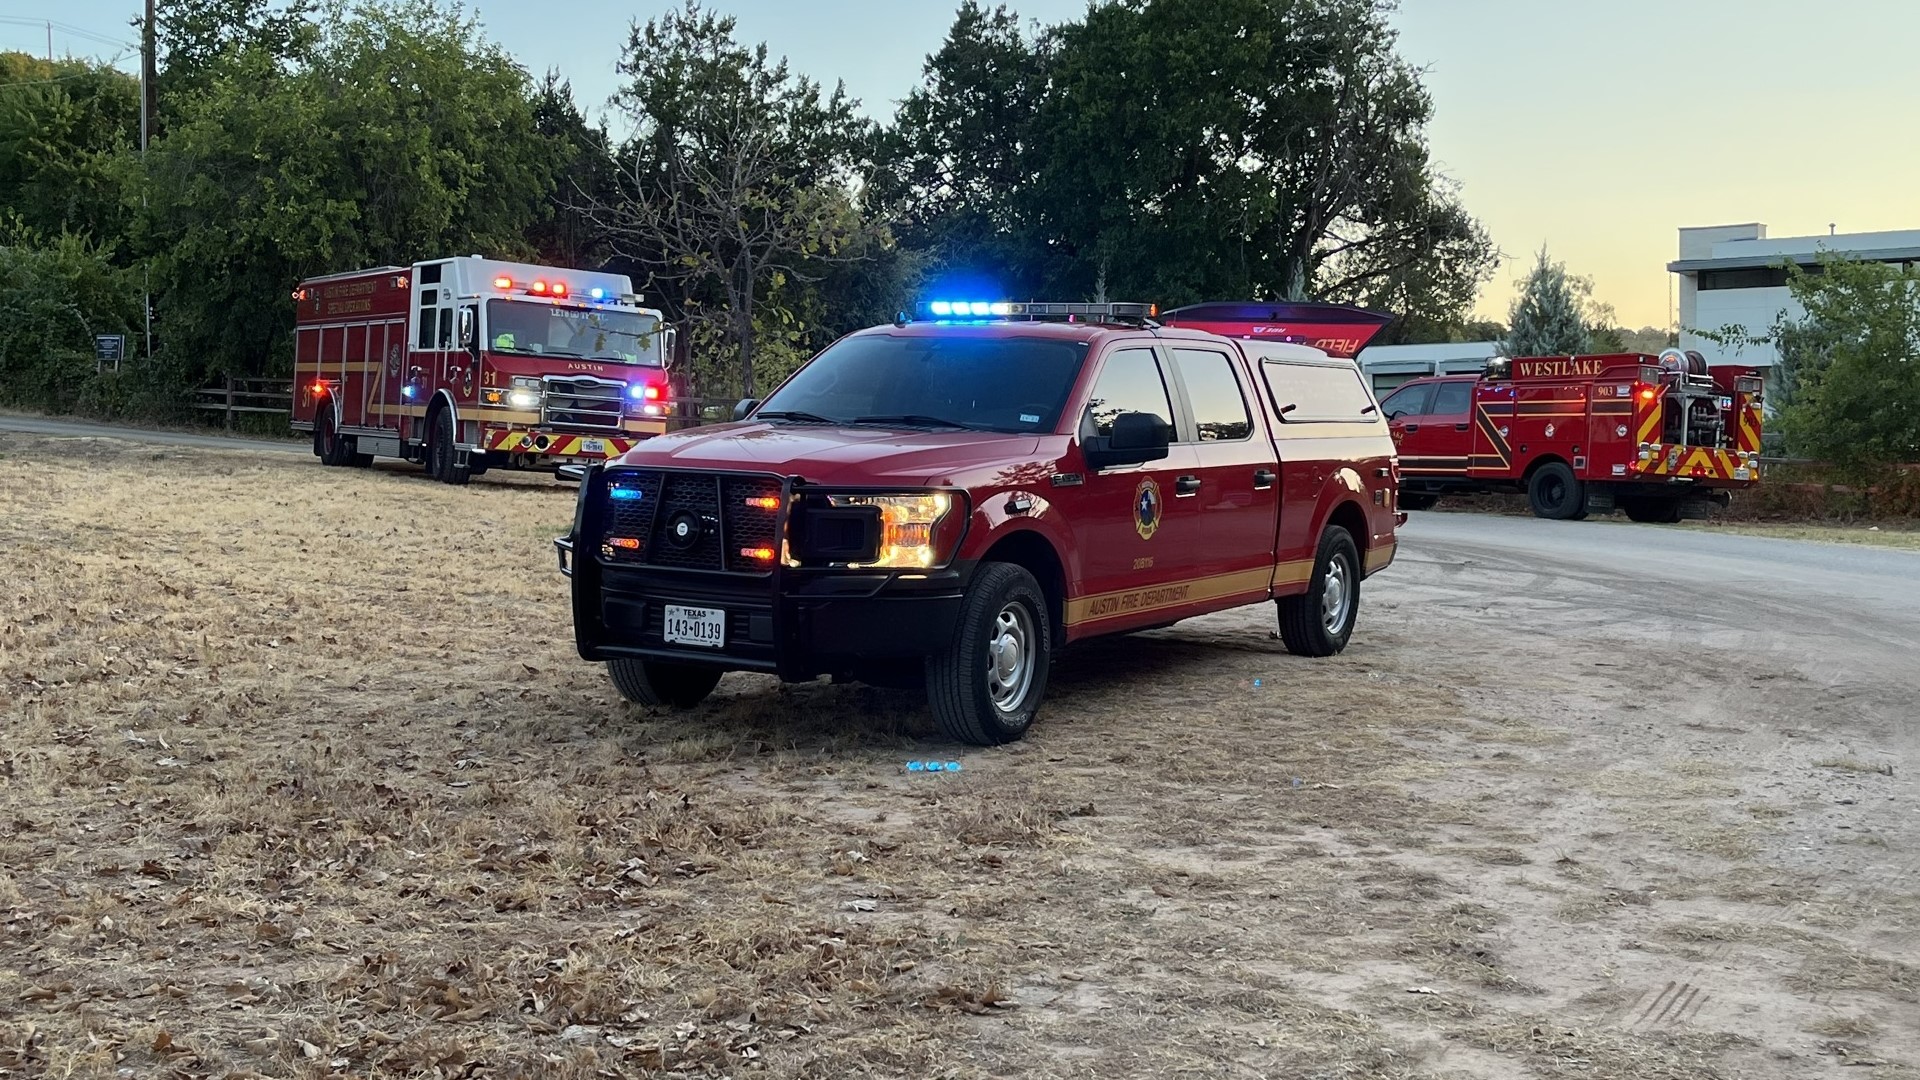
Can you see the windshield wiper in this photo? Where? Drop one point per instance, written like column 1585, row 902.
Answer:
column 912, row 419
column 792, row 414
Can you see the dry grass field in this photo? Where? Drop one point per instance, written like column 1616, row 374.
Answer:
column 301, row 778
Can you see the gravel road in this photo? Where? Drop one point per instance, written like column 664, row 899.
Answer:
column 81, row 429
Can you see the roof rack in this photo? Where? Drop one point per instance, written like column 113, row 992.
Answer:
column 1013, row 311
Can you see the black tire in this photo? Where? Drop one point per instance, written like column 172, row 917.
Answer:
column 1417, row 501
column 1652, row 511
column 657, row 684
column 440, row 451
column 1553, row 492
column 361, row 461
column 1307, row 627
column 975, row 697
column 329, row 445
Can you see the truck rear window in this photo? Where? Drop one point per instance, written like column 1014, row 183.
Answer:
column 1306, row 393
column 1007, row 384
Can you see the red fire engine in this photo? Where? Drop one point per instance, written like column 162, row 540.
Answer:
column 1659, row 438
column 467, row 364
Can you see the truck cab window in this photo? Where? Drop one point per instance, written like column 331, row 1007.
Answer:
column 1407, row 401
column 1219, row 408
column 1130, row 381
column 1450, row 398
column 446, row 328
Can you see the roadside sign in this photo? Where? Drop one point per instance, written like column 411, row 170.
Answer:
column 109, row 349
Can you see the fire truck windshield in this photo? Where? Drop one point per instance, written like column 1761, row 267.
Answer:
column 1010, row 384
column 590, row 333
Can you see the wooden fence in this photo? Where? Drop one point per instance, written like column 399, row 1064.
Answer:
column 246, row 396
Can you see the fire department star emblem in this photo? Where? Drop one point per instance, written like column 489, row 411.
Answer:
column 1146, row 509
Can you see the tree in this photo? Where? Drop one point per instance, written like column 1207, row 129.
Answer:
column 396, row 133
column 1552, row 315
column 1181, row 150
column 739, row 174
column 1848, row 381
column 62, row 125
column 583, row 168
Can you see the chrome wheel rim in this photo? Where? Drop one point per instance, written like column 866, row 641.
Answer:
column 1336, row 595
column 1010, row 659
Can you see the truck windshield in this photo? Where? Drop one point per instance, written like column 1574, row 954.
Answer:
column 1010, row 384
column 590, row 333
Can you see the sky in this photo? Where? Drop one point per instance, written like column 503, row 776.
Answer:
column 1594, row 128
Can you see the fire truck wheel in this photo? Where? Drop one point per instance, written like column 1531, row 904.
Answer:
column 657, row 684
column 440, row 452
column 1319, row 621
column 985, row 688
column 1554, row 492
column 328, row 445
column 1652, row 511
column 1418, row 501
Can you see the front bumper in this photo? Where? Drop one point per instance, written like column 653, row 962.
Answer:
column 797, row 623
column 541, row 443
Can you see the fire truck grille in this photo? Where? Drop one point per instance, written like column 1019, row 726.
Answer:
column 584, row 402
column 692, row 522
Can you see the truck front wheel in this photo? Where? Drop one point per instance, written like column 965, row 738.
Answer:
column 1319, row 621
column 441, row 454
column 986, row 686
column 328, row 444
column 656, row 684
column 1554, row 492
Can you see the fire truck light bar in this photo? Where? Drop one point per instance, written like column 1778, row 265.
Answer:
column 1001, row 309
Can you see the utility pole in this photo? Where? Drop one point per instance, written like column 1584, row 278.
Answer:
column 148, row 100
column 49, row 43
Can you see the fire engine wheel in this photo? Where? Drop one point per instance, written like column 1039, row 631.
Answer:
column 1652, row 511
column 986, row 687
column 656, row 684
column 328, row 444
column 1417, row 501
column 440, row 452
column 1554, row 492
column 1319, row 621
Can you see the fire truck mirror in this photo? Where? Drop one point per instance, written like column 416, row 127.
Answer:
column 466, row 327
column 669, row 340
column 1499, row 367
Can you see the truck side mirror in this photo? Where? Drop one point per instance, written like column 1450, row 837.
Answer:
column 1137, row 437
column 744, row 407
column 466, row 327
column 669, row 340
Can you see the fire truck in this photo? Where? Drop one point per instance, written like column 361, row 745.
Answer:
column 944, row 501
column 467, row 364
column 1657, row 438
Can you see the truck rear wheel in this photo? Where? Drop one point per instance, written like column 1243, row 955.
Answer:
column 1319, row 621
column 329, row 445
column 1553, row 492
column 1652, row 511
column 441, row 453
column 986, row 687
column 657, row 684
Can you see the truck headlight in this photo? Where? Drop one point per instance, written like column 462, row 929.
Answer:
column 911, row 533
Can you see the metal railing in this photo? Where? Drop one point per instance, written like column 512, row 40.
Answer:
column 245, row 396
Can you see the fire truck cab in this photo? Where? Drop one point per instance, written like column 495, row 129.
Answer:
column 468, row 364
column 945, row 501
column 1657, row 438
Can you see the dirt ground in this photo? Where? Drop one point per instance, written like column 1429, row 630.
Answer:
column 301, row 778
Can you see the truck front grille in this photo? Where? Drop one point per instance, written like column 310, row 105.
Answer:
column 691, row 521
column 583, row 402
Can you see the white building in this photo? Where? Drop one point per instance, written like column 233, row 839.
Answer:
column 1733, row 275
column 1387, row 366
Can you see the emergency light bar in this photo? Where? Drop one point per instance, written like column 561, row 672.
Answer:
column 1002, row 309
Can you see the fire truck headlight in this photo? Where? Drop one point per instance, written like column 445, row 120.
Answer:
column 524, row 399
column 912, row 535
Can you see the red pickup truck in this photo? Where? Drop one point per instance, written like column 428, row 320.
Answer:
column 947, row 501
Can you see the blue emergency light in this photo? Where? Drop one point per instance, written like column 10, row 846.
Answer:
column 624, row 494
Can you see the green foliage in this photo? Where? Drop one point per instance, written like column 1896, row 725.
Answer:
column 55, row 296
column 1851, row 363
column 62, row 125
column 398, row 134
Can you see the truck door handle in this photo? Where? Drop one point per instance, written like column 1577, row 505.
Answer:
column 1186, row 485
column 1411, row 427
column 1263, row 479
column 1459, row 427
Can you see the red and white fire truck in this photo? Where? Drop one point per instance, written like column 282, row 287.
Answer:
column 1658, row 438
column 467, row 364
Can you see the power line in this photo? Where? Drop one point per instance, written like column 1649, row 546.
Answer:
column 66, row 28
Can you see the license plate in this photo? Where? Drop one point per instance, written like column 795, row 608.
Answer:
column 593, row 446
column 705, row 627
